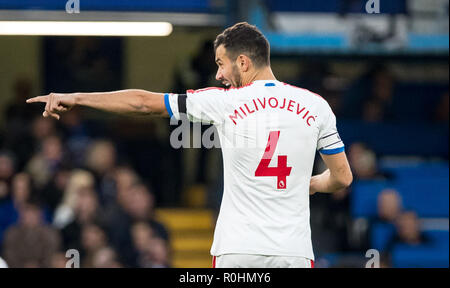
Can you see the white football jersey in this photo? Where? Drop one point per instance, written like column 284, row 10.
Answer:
column 269, row 132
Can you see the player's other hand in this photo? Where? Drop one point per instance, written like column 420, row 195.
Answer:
column 55, row 103
column 313, row 185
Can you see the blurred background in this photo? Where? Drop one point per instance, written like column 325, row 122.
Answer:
column 113, row 188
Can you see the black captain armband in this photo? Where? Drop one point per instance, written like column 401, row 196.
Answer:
column 182, row 103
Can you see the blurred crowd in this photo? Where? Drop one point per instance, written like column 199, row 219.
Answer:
column 61, row 190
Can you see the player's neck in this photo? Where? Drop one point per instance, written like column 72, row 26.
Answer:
column 261, row 74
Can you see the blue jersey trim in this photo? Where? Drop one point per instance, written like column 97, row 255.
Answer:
column 167, row 104
column 332, row 151
column 269, row 84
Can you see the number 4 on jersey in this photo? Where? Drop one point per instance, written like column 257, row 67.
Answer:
column 281, row 171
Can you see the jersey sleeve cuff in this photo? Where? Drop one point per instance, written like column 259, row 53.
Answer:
column 171, row 103
column 332, row 151
column 167, row 104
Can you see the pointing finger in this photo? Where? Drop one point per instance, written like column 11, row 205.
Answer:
column 38, row 99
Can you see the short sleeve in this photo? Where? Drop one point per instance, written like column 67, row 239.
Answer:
column 206, row 105
column 329, row 141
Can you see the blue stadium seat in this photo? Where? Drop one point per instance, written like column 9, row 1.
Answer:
column 364, row 197
column 422, row 256
column 421, row 139
column 427, row 196
column 415, row 169
column 380, row 235
column 424, row 188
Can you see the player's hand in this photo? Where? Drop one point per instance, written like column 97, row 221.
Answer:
column 55, row 103
column 313, row 189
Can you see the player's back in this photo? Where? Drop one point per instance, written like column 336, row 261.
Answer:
column 269, row 137
column 269, row 132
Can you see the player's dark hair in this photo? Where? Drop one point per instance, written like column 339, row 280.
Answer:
column 243, row 38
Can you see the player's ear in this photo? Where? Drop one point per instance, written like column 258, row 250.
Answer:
column 243, row 63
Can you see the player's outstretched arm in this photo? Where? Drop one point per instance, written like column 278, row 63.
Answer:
column 336, row 177
column 130, row 101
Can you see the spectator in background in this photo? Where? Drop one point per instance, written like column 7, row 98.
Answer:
column 21, row 189
column 106, row 258
column 93, row 239
column 86, row 210
column 407, row 231
column 364, row 162
column 80, row 180
column 101, row 160
column 44, row 165
column 382, row 227
column 135, row 204
column 7, row 166
column 124, row 177
column 21, row 193
column 139, row 205
column 142, row 235
column 52, row 193
column 370, row 97
column 159, row 253
column 42, row 128
column 76, row 135
column 30, row 243
column 389, row 206
column 152, row 250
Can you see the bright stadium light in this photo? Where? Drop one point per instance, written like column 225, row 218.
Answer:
column 85, row 28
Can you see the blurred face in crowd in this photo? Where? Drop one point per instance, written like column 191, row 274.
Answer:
column 30, row 216
column 86, row 205
column 362, row 161
column 6, row 167
column 21, row 188
column 228, row 72
column 408, row 228
column 102, row 156
column 159, row 251
column 42, row 127
column 79, row 180
column 105, row 258
column 142, row 235
column 93, row 238
column 52, row 148
column 125, row 178
column 139, row 202
column 389, row 205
